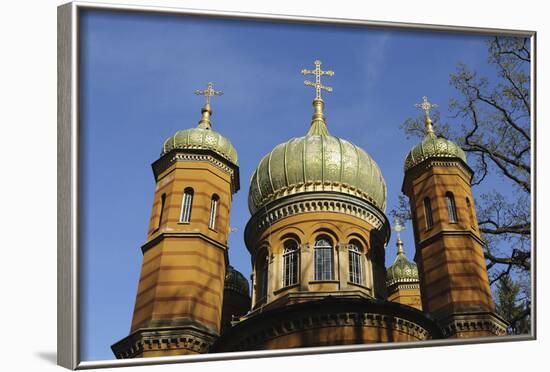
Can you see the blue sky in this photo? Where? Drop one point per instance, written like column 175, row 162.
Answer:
column 138, row 74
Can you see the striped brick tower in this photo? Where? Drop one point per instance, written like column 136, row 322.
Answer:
column 178, row 306
column 449, row 250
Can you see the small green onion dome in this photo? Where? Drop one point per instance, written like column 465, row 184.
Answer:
column 235, row 281
column 316, row 162
column 432, row 147
column 202, row 137
column 402, row 270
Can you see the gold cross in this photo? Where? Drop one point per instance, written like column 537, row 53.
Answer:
column 209, row 92
column 426, row 106
column 398, row 227
column 317, row 72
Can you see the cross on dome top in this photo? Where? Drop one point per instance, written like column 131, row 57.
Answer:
column 209, row 92
column 317, row 84
column 425, row 105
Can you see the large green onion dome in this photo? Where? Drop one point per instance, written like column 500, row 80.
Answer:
column 316, row 162
column 235, row 281
column 402, row 270
column 203, row 137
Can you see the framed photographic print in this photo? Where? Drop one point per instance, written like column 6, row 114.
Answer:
column 237, row 185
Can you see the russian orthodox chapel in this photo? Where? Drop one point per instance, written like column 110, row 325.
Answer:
column 317, row 239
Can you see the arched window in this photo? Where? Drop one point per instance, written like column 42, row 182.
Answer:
column 428, row 212
column 186, row 204
column 451, row 207
column 213, row 211
column 470, row 213
column 161, row 211
column 261, row 275
column 355, row 262
column 290, row 263
column 323, row 258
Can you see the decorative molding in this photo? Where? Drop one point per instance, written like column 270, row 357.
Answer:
column 315, row 202
column 180, row 235
column 331, row 319
column 403, row 284
column 316, row 186
column 198, row 155
column 188, row 338
column 475, row 322
column 441, row 233
column 429, row 163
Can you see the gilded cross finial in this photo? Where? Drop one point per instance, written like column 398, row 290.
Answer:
column 426, row 106
column 206, row 111
column 398, row 227
column 209, row 92
column 317, row 84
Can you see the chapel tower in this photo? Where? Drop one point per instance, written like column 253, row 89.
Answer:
column 178, row 305
column 402, row 281
column 449, row 250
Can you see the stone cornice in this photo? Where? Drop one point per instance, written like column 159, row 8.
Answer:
column 249, row 334
column 429, row 163
column 402, row 284
column 165, row 161
column 473, row 322
column 291, row 298
column 188, row 337
column 438, row 235
column 315, row 202
column 181, row 235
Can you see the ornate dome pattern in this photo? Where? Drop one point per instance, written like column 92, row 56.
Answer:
column 433, row 147
column 401, row 271
column 201, row 138
column 235, row 281
column 316, row 162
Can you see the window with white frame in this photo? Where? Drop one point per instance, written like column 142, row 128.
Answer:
column 451, row 207
column 323, row 258
column 355, row 253
column 213, row 211
column 290, row 263
column 186, row 205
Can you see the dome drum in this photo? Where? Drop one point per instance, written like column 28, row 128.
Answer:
column 311, row 202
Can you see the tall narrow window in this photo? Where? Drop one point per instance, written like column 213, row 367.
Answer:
column 355, row 262
column 161, row 211
column 451, row 207
column 323, row 258
column 186, row 204
column 290, row 263
column 428, row 212
column 261, row 275
column 213, row 211
column 470, row 213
